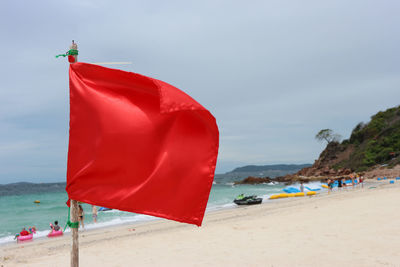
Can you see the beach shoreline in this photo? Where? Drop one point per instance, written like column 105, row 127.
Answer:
column 312, row 230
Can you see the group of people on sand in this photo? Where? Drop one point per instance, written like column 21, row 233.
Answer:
column 55, row 227
column 342, row 182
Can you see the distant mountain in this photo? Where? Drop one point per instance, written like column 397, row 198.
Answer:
column 271, row 171
column 280, row 167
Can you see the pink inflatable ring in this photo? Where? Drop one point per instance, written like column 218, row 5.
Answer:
column 24, row 237
column 55, row 233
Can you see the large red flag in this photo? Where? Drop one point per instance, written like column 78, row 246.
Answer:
column 139, row 144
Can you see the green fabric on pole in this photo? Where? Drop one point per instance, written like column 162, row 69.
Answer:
column 69, row 223
column 71, row 52
column 73, row 224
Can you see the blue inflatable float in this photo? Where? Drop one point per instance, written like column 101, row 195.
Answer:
column 291, row 190
column 312, row 189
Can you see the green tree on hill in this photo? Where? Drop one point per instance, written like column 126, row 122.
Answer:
column 328, row 135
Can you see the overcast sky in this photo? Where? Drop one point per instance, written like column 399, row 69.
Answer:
column 273, row 73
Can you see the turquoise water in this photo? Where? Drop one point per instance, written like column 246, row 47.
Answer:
column 19, row 211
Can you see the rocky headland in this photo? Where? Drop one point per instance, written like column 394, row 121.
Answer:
column 373, row 150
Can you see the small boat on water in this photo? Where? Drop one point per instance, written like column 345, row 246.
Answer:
column 249, row 200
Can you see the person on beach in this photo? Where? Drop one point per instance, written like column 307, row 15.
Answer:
column 81, row 216
column 344, row 183
column 330, row 185
column 340, row 184
column 94, row 213
column 361, row 181
column 327, row 183
column 352, row 180
column 24, row 232
column 301, row 187
column 55, row 226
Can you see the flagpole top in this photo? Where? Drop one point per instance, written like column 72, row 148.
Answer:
column 73, row 45
column 73, row 53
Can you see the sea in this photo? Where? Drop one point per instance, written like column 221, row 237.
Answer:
column 18, row 210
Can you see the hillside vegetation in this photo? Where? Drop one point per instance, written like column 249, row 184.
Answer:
column 377, row 142
column 374, row 143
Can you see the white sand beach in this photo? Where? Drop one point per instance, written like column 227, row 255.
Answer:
column 350, row 228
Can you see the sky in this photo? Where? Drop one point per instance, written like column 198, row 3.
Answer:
column 273, row 73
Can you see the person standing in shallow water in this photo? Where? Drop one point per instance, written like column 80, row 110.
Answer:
column 301, row 187
column 81, row 216
column 94, row 213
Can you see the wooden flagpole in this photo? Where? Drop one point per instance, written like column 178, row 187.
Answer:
column 74, row 204
column 72, row 58
column 75, row 235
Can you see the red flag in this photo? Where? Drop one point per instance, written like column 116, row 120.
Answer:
column 139, row 144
